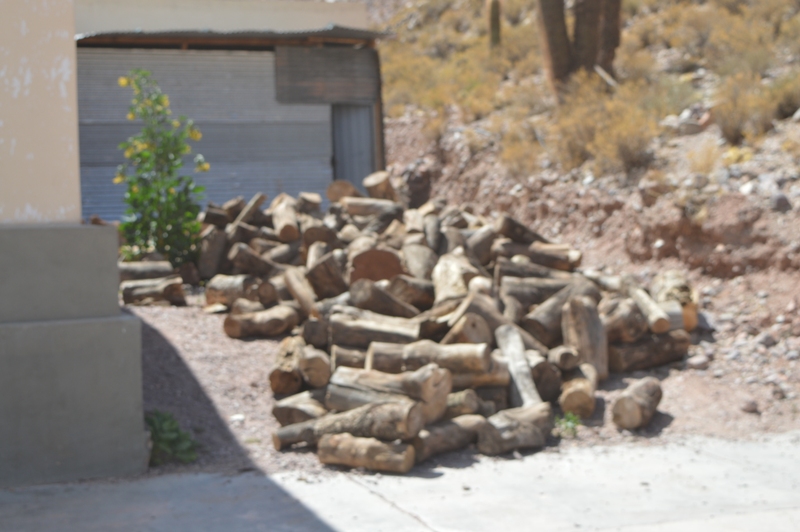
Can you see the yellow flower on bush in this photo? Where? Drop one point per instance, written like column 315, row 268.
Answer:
column 171, row 190
column 130, row 116
column 187, row 149
column 195, row 134
column 203, row 167
column 123, row 81
column 165, row 100
column 119, row 179
column 176, row 124
column 129, row 152
column 135, row 189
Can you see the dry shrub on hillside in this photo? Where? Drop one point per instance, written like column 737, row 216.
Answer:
column 703, row 158
column 743, row 108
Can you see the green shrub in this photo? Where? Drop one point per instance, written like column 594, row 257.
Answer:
column 567, row 425
column 162, row 204
column 170, row 443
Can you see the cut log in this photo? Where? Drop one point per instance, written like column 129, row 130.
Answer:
column 315, row 366
column 366, row 295
column 326, row 277
column 462, row 403
column 300, row 407
column 319, row 233
column 375, row 263
column 481, row 285
column 480, row 244
column 284, row 253
column 451, row 240
column 553, row 256
column 241, row 232
column 673, row 285
column 267, row 294
column 262, row 245
column 623, row 320
column 447, row 436
column 470, row 329
column 226, row 289
column 379, row 185
column 386, row 421
column 280, row 287
column 309, row 202
column 216, row 217
column 286, row 378
column 505, row 267
column 133, row 271
column 451, row 276
column 523, row 390
column 577, row 392
column 301, row 290
column 367, row 206
column 327, row 306
column 583, row 330
column 651, row 351
column 360, row 331
column 544, row 322
column 344, row 356
column 315, row 252
column 516, row 428
column 248, row 212
column 458, row 358
column 532, row 290
column 245, row 306
column 267, row 323
column 657, row 319
column 168, row 289
column 213, row 243
column 512, row 309
column 369, row 453
column 340, row 189
column 496, row 396
column 545, row 375
column 419, row 260
column 234, row 206
column 248, row 261
column 433, row 232
column 284, row 220
column 413, row 291
column 511, row 228
column 637, row 404
column 674, row 312
column 563, row 357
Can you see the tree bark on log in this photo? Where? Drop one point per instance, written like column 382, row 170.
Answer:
column 651, row 351
column 623, row 320
column 451, row 276
column 583, row 330
column 315, row 332
column 544, row 322
column 367, row 206
column 577, row 392
column 300, row 407
column 240, row 232
column 213, row 242
column 516, row 231
column 136, row 271
column 516, row 428
column 216, row 217
column 360, row 331
column 446, row 436
column 288, row 253
column 245, row 306
column 379, row 186
column 284, row 220
column 673, row 285
column 374, row 263
column 563, row 357
column 234, row 206
column 413, row 291
column 347, row 450
column 248, row 261
column 301, row 290
column 267, row 323
column 385, row 421
column 326, row 277
column 480, row 244
column 523, row 392
column 505, row 267
column 169, row 289
column 286, row 378
column 532, row 290
column 419, row 260
column 249, row 210
column 637, row 404
column 341, row 189
column 462, row 403
column 458, row 358
column 469, row 329
column 226, row 289
column 498, row 375
column 657, row 319
column 512, row 308
column 315, row 366
column 366, row 295
column 545, row 375
column 433, row 231
column 344, row 356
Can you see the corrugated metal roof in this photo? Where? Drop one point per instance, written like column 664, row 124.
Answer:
column 331, row 31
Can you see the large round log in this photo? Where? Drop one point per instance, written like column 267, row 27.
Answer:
column 623, row 320
column 340, row 189
column 412, row 290
column 637, row 404
column 366, row 295
column 369, row 453
column 545, row 375
column 285, row 378
column 379, row 186
column 583, row 330
column 544, row 322
column 523, row 390
column 651, row 351
column 516, row 428
column 267, row 323
column 577, row 392
column 469, row 329
column 458, row 358
column 315, row 366
column 226, row 289
column 360, row 331
column 419, row 260
column 446, row 436
column 300, row 407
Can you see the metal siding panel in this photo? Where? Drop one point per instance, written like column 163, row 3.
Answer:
column 326, row 75
column 353, row 142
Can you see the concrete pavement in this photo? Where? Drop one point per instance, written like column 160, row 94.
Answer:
column 697, row 484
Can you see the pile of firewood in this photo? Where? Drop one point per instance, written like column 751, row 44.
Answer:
column 419, row 331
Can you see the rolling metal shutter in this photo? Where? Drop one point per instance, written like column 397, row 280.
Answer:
column 254, row 144
column 354, row 156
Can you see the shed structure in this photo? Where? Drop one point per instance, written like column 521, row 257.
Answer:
column 281, row 108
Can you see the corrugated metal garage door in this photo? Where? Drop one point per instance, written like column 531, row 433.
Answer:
column 353, row 144
column 252, row 142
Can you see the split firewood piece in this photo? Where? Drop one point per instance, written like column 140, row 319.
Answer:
column 386, row 421
column 261, row 245
column 286, row 378
column 511, row 228
column 545, row 375
column 419, row 260
column 469, row 329
column 325, row 277
column 480, row 242
column 279, row 283
column 637, row 404
column 523, row 390
column 458, row 358
column 345, row 356
column 315, row 332
column 301, row 290
column 651, row 351
column 226, row 289
column 267, row 233
column 413, row 291
column 350, row 388
column 608, row 283
column 657, row 319
column 544, row 322
column 135, row 271
column 249, row 210
column 516, row 428
column 213, row 242
column 267, row 323
column 485, row 307
column 555, row 256
column 315, row 366
column 245, row 306
column 577, row 392
column 248, row 261
column 369, row 260
column 451, row 240
column 241, row 232
column 497, row 375
column 215, row 216
column 505, row 267
column 284, row 218
column 462, row 403
column 623, row 320
column 169, row 289
column 367, row 206
column 532, row 290
column 309, row 202
column 481, row 285
column 446, row 436
column 674, row 312
column 327, row 306
column 673, row 285
column 451, row 276
column 367, row 295
column 315, row 252
column 512, row 309
column 379, row 223
column 564, row 357
column 369, row 453
column 583, row 330
column 433, row 231
column 340, row 189
column 267, row 294
column 319, row 233
column 300, row 407
column 234, row 206
column 360, row 330
column 284, row 253
column 379, row 186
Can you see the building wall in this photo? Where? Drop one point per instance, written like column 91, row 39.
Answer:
column 39, row 177
column 217, row 15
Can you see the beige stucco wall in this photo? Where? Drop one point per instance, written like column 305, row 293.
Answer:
column 97, row 16
column 39, row 176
